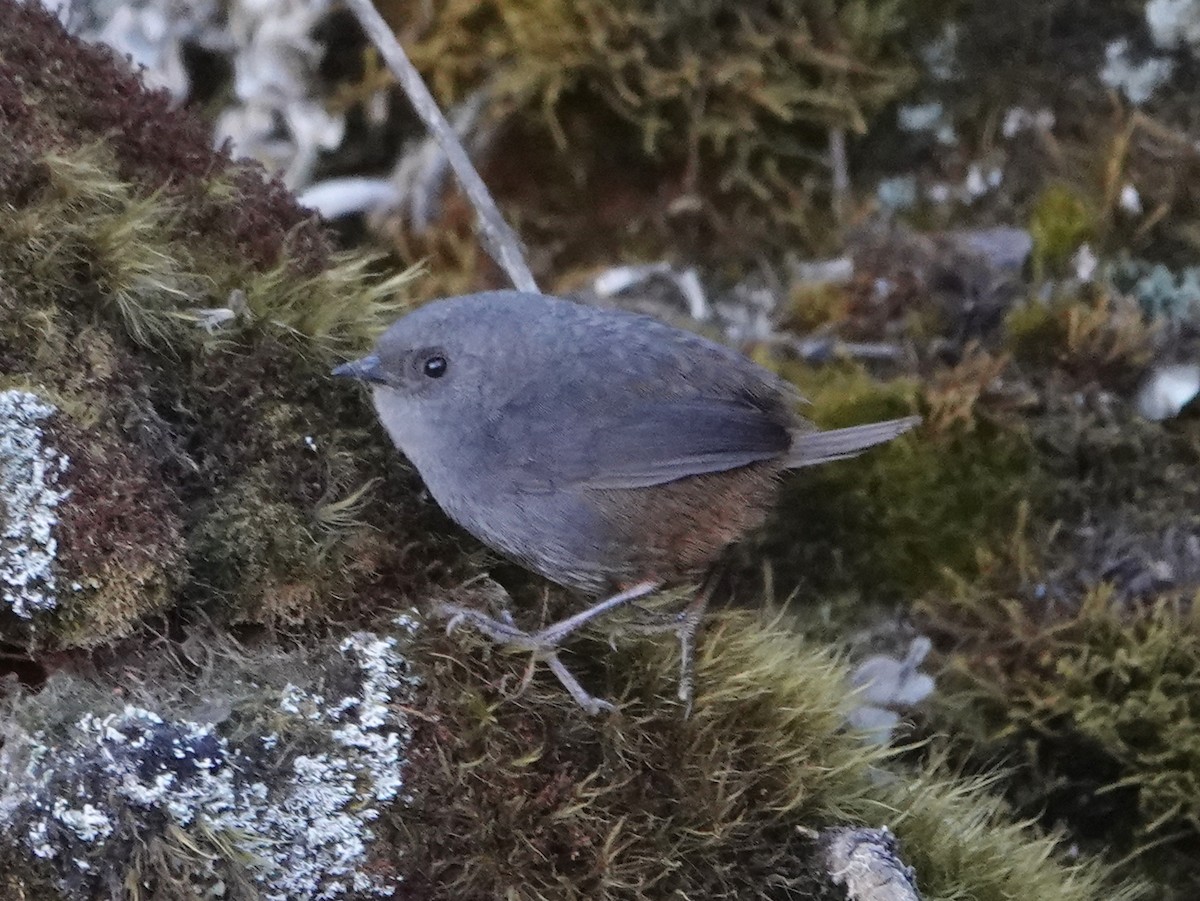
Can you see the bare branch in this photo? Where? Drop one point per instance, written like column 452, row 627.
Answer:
column 500, row 241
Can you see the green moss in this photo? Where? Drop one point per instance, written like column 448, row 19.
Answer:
column 1090, row 338
column 1035, row 333
column 183, row 318
column 893, row 521
column 1095, row 714
column 731, row 102
column 529, row 799
column 812, row 306
column 259, row 551
column 1061, row 221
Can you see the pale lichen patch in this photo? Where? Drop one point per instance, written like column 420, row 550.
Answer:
column 284, row 794
column 30, row 473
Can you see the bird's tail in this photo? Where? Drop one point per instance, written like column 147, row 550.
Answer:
column 811, row 448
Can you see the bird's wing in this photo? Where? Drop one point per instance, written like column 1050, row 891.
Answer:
column 642, row 443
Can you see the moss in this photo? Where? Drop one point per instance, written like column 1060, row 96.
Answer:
column 183, row 321
column 1034, row 333
column 742, row 149
column 1094, row 712
column 1098, row 337
column 120, row 539
column 891, row 522
column 812, row 306
column 537, row 801
column 62, row 94
column 1060, row 223
column 256, row 549
column 1105, row 462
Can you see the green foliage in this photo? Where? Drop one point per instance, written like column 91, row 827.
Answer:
column 339, row 309
column 90, row 224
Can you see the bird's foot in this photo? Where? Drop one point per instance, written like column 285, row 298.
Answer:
column 502, row 631
column 541, row 645
column 684, row 625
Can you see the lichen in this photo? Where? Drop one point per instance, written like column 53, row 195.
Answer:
column 275, row 803
column 1162, row 293
column 30, row 492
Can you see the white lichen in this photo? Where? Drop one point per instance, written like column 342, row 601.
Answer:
column 30, row 476
column 928, row 118
column 941, row 55
column 885, row 686
column 1018, row 120
column 1136, row 80
column 276, row 115
column 1167, row 390
column 1130, row 201
column 1174, row 24
column 297, row 801
column 897, row 194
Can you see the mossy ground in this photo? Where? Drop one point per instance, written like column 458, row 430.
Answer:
column 638, row 149
column 649, row 804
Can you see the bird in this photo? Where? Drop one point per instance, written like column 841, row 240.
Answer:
column 607, row 451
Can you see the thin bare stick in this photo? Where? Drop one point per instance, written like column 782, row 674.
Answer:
column 841, row 174
column 500, row 241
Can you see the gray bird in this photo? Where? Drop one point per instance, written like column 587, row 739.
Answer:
column 607, row 451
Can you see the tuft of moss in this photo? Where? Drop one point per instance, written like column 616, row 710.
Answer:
column 1094, row 338
column 892, row 522
column 524, row 797
column 1093, row 712
column 1060, row 223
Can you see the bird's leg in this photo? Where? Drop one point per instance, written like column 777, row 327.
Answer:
column 505, row 631
column 688, row 625
column 552, row 635
column 684, row 624
column 589, row 702
column 545, row 642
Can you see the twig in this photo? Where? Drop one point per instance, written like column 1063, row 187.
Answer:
column 841, row 173
column 498, row 239
column 823, row 350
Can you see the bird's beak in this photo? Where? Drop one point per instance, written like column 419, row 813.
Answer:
column 366, row 369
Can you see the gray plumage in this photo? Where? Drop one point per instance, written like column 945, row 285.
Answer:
column 589, row 444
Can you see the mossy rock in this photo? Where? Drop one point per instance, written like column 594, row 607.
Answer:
column 443, row 774
column 177, row 313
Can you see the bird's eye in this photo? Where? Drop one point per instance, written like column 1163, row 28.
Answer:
column 435, row 366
